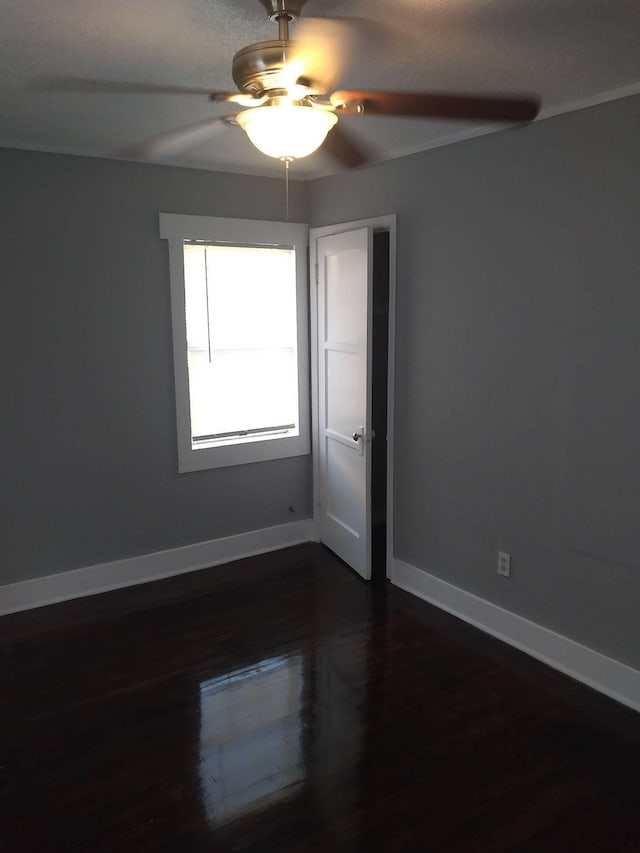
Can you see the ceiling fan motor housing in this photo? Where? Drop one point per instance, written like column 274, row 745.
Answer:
column 259, row 68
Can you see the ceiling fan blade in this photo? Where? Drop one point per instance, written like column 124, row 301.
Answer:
column 109, row 87
column 425, row 105
column 318, row 51
column 342, row 147
column 173, row 141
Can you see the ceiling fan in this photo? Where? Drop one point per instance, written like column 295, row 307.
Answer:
column 289, row 107
column 285, row 86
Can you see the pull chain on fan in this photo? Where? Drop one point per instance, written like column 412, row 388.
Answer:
column 287, row 163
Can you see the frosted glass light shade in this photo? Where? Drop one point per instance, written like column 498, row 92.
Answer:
column 288, row 131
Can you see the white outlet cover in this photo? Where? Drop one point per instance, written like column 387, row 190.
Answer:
column 504, row 564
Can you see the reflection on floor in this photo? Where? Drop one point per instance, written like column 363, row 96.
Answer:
column 283, row 704
column 251, row 737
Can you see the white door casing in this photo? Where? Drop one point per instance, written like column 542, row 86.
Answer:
column 344, row 322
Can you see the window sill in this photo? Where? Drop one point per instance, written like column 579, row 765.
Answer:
column 244, row 451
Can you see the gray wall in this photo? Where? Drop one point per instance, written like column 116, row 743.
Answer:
column 518, row 391
column 87, row 433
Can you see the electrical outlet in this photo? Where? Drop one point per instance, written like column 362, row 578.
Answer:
column 504, row 564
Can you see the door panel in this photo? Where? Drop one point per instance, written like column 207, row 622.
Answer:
column 344, row 295
column 345, row 400
column 344, row 396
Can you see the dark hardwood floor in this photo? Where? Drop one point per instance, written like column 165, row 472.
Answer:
column 282, row 704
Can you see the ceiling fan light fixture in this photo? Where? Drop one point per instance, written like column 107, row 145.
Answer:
column 287, row 131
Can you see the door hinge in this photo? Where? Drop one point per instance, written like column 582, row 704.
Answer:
column 316, row 273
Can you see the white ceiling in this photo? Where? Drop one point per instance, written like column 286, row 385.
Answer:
column 571, row 53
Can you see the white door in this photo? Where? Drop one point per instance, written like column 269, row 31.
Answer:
column 344, row 321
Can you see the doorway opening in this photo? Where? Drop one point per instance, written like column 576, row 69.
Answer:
column 379, row 395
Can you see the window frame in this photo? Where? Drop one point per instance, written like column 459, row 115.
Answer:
column 176, row 228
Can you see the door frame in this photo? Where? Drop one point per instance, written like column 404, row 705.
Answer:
column 378, row 223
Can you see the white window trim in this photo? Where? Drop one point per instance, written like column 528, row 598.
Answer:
column 176, row 228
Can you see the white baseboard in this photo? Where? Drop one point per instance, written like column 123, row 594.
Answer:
column 603, row 673
column 92, row 580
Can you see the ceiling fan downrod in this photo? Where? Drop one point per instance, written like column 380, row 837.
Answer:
column 283, row 11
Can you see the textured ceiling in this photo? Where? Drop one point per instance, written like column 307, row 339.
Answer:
column 570, row 53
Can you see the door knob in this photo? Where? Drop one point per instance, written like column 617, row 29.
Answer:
column 356, row 436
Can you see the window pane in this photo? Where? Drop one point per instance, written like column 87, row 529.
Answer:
column 241, row 340
column 196, row 298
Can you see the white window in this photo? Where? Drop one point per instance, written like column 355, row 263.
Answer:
column 239, row 311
